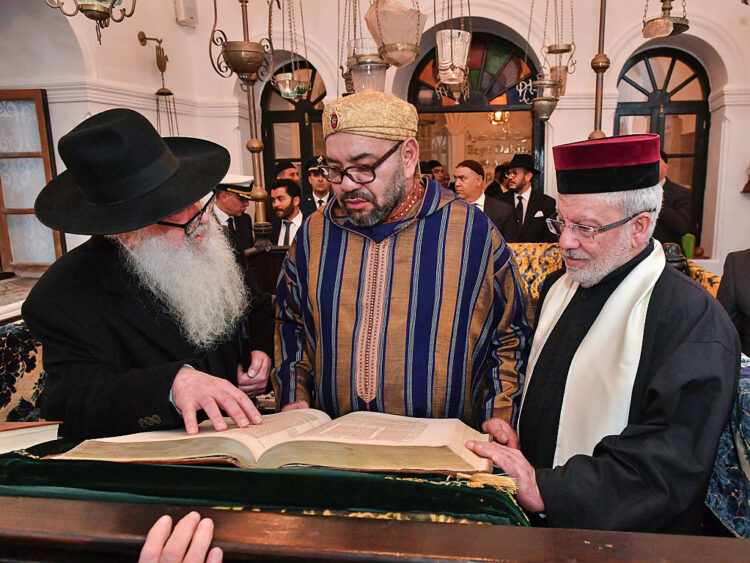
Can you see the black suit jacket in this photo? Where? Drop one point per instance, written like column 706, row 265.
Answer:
column 243, row 232
column 534, row 227
column 494, row 189
column 674, row 219
column 734, row 294
column 503, row 217
column 308, row 205
column 110, row 351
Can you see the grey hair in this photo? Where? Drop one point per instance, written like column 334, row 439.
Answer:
column 630, row 202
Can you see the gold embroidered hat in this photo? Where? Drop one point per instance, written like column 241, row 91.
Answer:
column 371, row 114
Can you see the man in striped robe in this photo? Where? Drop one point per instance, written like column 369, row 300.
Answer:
column 399, row 297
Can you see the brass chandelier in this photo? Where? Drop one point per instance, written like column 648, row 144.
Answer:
column 101, row 11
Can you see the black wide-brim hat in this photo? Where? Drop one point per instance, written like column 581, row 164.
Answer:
column 523, row 160
column 122, row 176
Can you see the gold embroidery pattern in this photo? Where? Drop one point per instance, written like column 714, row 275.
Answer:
column 374, row 289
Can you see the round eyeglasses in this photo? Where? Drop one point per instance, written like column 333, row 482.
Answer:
column 359, row 174
column 195, row 221
column 587, row 232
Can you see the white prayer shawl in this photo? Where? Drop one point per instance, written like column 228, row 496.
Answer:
column 596, row 401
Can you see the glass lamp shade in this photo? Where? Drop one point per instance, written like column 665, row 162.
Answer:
column 396, row 29
column 452, row 53
column 287, row 85
column 369, row 76
column 302, row 79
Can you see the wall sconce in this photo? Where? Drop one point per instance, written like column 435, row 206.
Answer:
column 163, row 94
column 101, row 11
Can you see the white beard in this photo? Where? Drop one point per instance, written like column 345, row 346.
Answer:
column 600, row 267
column 200, row 285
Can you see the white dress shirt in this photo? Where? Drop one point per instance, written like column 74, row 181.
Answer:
column 317, row 198
column 480, row 202
column 293, row 225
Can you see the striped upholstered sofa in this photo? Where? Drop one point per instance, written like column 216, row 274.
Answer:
column 22, row 374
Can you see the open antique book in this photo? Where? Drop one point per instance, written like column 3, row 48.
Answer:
column 366, row 441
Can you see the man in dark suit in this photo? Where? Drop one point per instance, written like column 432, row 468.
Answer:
column 140, row 324
column 531, row 208
column 674, row 219
column 321, row 188
column 285, row 202
column 469, row 176
column 499, row 185
column 232, row 201
column 734, row 294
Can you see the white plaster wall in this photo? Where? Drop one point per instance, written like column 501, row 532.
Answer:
column 82, row 77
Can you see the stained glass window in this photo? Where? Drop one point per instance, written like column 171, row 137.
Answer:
column 495, row 65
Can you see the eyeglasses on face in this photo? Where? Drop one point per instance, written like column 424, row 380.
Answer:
column 359, row 174
column 194, row 221
column 587, row 232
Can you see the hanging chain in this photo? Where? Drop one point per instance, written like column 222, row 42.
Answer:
column 528, row 35
column 645, row 13
column 304, row 36
column 684, row 8
column 572, row 26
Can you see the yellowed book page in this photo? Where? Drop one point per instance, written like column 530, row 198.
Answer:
column 377, row 441
column 235, row 443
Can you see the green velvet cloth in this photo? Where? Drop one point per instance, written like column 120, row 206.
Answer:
column 293, row 489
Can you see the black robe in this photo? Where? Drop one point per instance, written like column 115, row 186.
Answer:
column 110, row 351
column 653, row 476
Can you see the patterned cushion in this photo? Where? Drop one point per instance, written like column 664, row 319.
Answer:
column 22, row 376
column 704, row 277
column 535, row 262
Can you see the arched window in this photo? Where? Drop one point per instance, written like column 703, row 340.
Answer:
column 292, row 129
column 665, row 91
column 496, row 120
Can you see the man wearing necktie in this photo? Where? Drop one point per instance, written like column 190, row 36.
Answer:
column 321, row 188
column 532, row 208
column 285, row 201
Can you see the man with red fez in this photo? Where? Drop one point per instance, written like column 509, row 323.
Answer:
column 398, row 297
column 633, row 366
column 141, row 323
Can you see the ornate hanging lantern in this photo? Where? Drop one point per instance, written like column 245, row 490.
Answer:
column 551, row 82
column 100, row 11
column 452, row 47
column 666, row 24
column 164, row 95
column 367, row 68
column 396, row 29
column 295, row 84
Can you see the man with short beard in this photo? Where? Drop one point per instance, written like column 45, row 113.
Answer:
column 633, row 368
column 399, row 297
column 139, row 324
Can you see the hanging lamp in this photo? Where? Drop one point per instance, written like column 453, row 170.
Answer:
column 396, row 29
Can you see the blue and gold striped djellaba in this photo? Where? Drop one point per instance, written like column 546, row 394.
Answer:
column 422, row 317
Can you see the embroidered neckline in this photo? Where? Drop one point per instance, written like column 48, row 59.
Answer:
column 415, row 195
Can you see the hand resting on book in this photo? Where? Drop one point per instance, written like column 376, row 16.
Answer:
column 193, row 390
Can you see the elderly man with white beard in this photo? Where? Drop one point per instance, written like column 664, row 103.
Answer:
column 633, row 365
column 139, row 325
